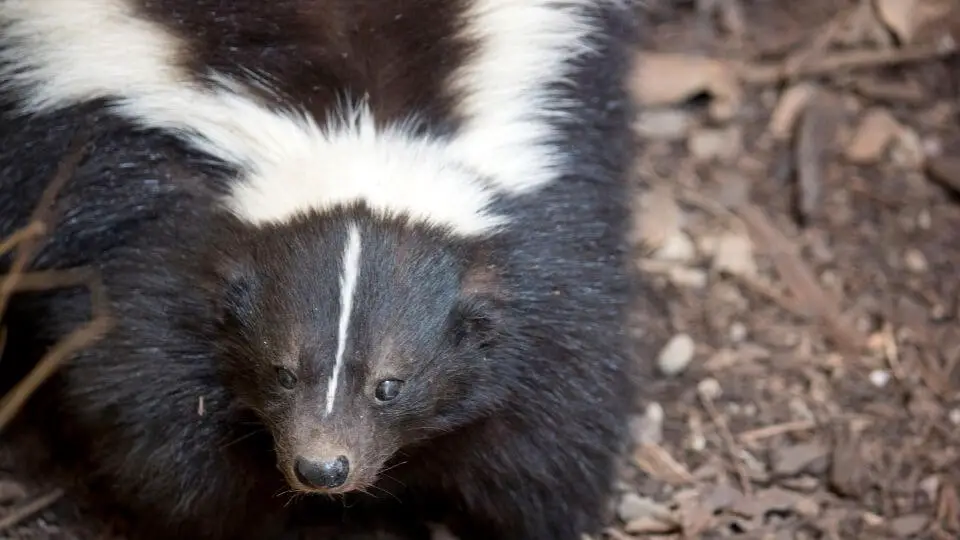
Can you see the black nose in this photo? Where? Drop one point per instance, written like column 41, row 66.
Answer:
column 323, row 474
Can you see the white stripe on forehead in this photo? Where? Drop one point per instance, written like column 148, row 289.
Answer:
column 349, row 272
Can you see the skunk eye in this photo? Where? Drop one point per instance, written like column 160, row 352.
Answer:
column 287, row 379
column 388, row 389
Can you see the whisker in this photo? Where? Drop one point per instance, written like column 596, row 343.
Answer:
column 240, row 438
column 388, row 492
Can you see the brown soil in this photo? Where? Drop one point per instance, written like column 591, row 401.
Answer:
column 812, row 274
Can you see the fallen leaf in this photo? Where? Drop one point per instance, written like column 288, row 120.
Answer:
column 792, row 460
column 633, row 507
column 654, row 460
column 791, row 104
column 816, row 135
column 875, row 132
column 767, row 500
column 720, row 497
column 650, row 525
column 848, row 473
column 910, row 20
column 667, row 78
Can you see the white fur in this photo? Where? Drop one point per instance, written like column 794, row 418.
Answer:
column 68, row 51
column 525, row 46
column 349, row 273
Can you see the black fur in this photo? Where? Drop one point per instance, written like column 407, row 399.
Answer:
column 513, row 349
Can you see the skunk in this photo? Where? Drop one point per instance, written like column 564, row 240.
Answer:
column 373, row 250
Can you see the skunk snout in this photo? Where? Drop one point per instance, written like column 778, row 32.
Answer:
column 322, row 473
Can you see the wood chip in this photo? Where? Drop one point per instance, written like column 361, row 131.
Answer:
column 658, row 463
column 944, row 171
column 650, row 525
column 794, row 459
column 876, row 131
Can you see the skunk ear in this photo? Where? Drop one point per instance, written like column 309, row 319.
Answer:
column 476, row 323
column 237, row 287
column 480, row 310
column 482, row 277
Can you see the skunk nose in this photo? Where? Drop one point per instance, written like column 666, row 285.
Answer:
column 323, row 474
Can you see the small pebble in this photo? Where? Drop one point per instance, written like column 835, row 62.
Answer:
column 720, row 145
column 738, row 332
column 805, row 483
column 915, row 261
column 879, row 377
column 872, row 520
column 693, row 278
column 697, row 442
column 633, row 506
column 648, row 428
column 709, row 388
column 664, row 124
column 930, row 486
column 955, row 417
column 677, row 247
column 734, row 255
column 676, row 355
column 807, row 507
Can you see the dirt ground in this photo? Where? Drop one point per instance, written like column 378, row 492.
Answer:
column 800, row 208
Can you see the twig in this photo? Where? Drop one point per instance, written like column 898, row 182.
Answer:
column 32, row 230
column 26, row 510
column 823, row 38
column 732, row 447
column 78, row 339
column 800, row 279
column 28, row 242
column 28, row 246
column 762, row 287
column 840, row 61
column 766, row 432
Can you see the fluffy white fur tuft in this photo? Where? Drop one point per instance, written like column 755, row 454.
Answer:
column 509, row 88
column 61, row 52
